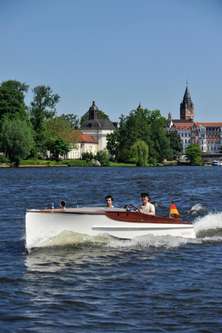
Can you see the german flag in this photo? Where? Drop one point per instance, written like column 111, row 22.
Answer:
column 173, row 211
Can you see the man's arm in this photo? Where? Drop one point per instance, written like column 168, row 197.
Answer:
column 152, row 210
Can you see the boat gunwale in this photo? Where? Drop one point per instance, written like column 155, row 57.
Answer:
column 115, row 215
column 64, row 211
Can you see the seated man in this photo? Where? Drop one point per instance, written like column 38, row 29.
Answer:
column 109, row 201
column 147, row 207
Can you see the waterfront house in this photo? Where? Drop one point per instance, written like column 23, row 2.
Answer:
column 85, row 143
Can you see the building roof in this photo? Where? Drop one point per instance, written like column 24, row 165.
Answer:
column 86, row 138
column 186, row 106
column 210, row 124
column 98, row 124
column 186, row 124
column 79, row 137
column 183, row 125
column 95, row 122
column 187, row 97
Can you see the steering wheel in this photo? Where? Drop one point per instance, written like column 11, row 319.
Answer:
column 131, row 208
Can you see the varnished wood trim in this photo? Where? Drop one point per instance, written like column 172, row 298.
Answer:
column 136, row 217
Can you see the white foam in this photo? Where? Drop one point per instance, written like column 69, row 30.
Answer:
column 69, row 238
column 152, row 242
column 197, row 208
column 209, row 225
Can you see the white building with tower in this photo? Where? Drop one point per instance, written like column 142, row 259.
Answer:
column 97, row 127
column 93, row 134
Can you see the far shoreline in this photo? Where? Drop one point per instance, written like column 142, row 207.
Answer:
column 85, row 164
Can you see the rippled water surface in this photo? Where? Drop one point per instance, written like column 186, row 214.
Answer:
column 151, row 284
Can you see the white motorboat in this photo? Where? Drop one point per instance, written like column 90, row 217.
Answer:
column 44, row 225
column 216, row 163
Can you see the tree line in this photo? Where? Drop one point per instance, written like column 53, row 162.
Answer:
column 31, row 131
column 143, row 137
column 34, row 130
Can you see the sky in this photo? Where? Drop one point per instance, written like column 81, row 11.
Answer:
column 117, row 52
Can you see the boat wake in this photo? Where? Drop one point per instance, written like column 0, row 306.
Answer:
column 151, row 241
column 68, row 239
column 74, row 239
column 198, row 210
column 209, row 226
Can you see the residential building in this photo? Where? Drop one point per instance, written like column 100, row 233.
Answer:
column 85, row 144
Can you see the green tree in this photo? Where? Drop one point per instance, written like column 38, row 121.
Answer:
column 175, row 144
column 120, row 141
column 139, row 152
column 16, row 139
column 140, row 124
column 113, row 144
column 59, row 127
column 159, row 140
column 193, row 153
column 61, row 136
column 72, row 119
column 43, row 108
column 58, row 148
column 43, row 105
column 12, row 95
column 88, row 156
column 103, row 157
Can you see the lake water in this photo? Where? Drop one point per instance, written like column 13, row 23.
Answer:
column 153, row 284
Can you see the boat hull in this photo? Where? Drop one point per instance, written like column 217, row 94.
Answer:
column 41, row 226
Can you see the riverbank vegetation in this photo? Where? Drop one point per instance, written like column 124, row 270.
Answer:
column 36, row 135
column 142, row 138
column 193, row 153
column 61, row 163
column 32, row 131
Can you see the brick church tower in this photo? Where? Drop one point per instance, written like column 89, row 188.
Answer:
column 187, row 107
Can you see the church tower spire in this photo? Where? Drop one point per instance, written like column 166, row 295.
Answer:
column 92, row 111
column 187, row 107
